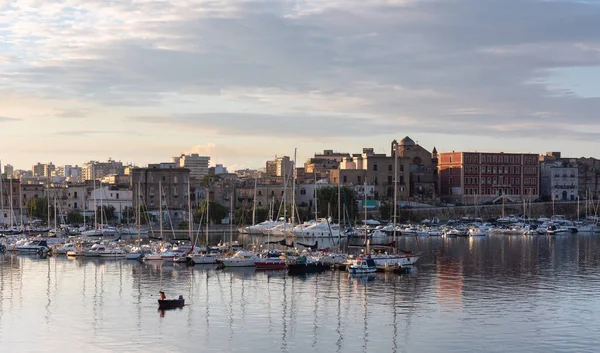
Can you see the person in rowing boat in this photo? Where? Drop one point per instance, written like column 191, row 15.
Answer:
column 162, row 295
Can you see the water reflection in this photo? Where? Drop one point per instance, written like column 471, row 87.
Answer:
column 465, row 293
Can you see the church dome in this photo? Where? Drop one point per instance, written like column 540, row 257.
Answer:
column 407, row 141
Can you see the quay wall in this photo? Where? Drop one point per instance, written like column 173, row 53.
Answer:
column 536, row 210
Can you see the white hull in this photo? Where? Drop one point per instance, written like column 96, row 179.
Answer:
column 239, row 262
column 133, row 256
column 204, row 260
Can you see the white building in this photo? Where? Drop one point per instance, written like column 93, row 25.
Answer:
column 219, row 169
column 559, row 181
column 110, row 196
column 198, row 165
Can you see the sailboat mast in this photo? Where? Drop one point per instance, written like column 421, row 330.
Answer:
column 2, row 194
column 21, row 207
column 138, row 210
column 48, row 201
column 95, row 206
column 365, row 209
column 395, row 186
column 160, row 213
column 83, row 205
column 231, row 219
column 207, row 221
column 293, row 187
column 11, row 202
column 55, row 216
column 254, row 200
column 189, row 210
column 316, row 197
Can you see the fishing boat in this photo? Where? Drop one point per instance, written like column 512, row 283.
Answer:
column 270, row 263
column 363, row 265
column 171, row 303
column 304, row 264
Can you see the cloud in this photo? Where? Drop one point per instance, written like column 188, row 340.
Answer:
column 285, row 125
column 87, row 133
column 4, row 119
column 309, row 69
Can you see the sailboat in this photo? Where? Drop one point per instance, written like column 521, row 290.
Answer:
column 136, row 253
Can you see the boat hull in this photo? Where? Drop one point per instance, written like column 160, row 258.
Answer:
column 238, row 263
column 171, row 303
column 300, row 269
column 270, row 265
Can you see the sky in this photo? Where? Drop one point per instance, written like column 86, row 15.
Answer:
column 244, row 81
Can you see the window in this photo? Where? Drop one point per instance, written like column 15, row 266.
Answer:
column 75, row 195
column 117, row 196
column 259, row 192
column 303, row 191
column 345, row 179
column 390, row 179
column 389, row 168
column 374, row 167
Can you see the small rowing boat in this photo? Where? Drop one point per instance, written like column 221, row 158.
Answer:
column 171, row 303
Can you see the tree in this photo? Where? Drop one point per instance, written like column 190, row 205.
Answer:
column 107, row 212
column 327, row 197
column 209, row 179
column 74, row 217
column 384, row 211
column 216, row 212
column 38, row 208
column 128, row 214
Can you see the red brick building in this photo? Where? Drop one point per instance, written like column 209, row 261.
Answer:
column 470, row 177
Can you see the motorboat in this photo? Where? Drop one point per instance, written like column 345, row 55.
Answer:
column 63, row 250
column 204, row 258
column 95, row 250
column 304, row 264
column 322, row 229
column 363, row 265
column 113, row 253
column 476, row 232
column 434, row 232
column 241, row 259
column 33, row 247
column 270, row 261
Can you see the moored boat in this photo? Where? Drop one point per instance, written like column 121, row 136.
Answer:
column 363, row 265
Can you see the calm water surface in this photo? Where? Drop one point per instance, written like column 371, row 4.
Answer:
column 489, row 294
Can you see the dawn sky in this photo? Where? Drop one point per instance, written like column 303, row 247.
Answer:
column 141, row 81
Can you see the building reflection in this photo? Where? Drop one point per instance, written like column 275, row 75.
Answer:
column 449, row 284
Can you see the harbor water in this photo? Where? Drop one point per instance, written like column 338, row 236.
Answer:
column 495, row 293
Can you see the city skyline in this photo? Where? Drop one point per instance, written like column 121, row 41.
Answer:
column 242, row 82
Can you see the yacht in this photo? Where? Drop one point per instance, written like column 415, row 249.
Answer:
column 63, row 250
column 204, row 258
column 113, row 253
column 322, row 229
column 95, row 250
column 240, row 259
column 33, row 246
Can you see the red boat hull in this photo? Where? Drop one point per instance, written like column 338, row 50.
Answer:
column 270, row 265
